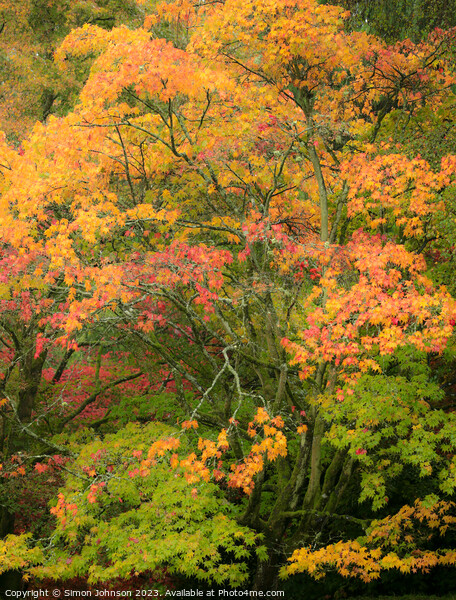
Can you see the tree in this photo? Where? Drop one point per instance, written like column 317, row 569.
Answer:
column 398, row 20
column 30, row 30
column 238, row 208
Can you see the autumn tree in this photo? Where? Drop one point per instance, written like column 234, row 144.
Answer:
column 393, row 21
column 237, row 205
column 32, row 87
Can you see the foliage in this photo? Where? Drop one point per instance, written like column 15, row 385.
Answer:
column 399, row 20
column 30, row 31
column 122, row 512
column 17, row 553
column 227, row 233
column 353, row 559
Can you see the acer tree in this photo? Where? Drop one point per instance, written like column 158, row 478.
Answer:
column 393, row 21
column 32, row 87
column 248, row 206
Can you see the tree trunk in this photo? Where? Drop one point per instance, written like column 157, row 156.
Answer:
column 267, row 572
column 12, row 579
column 30, row 370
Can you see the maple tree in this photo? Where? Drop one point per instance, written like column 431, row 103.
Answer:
column 399, row 20
column 30, row 30
column 243, row 211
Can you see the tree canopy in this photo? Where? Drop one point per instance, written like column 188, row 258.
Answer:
column 226, row 306
column 392, row 21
